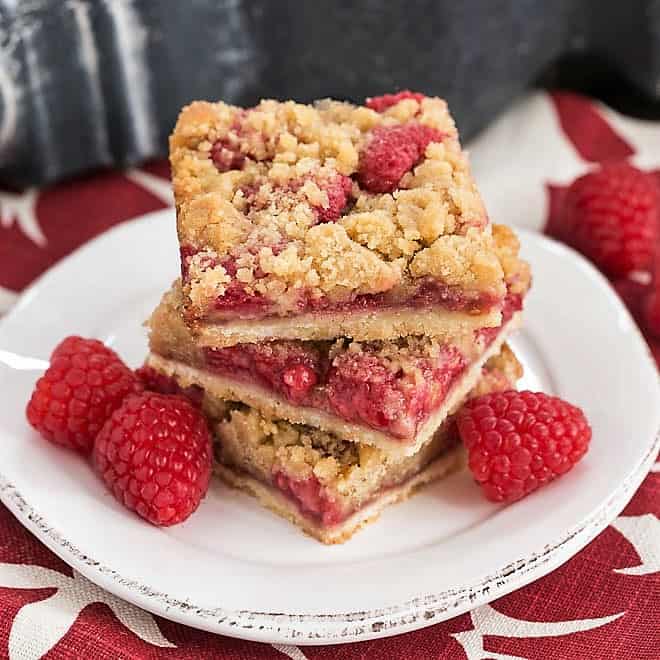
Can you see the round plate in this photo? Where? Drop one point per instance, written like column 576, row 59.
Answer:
column 235, row 568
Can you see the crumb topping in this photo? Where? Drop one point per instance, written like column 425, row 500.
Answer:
column 275, row 190
column 517, row 273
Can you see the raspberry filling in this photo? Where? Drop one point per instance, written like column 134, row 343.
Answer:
column 338, row 190
column 317, row 503
column 236, row 302
column 311, row 498
column 289, row 368
column 359, row 387
column 236, row 299
column 513, row 303
column 363, row 390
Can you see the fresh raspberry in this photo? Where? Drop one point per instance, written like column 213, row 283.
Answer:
column 611, row 216
column 85, row 382
column 154, row 453
column 651, row 313
column 391, row 152
column 382, row 103
column 338, row 189
column 519, row 441
column 227, row 156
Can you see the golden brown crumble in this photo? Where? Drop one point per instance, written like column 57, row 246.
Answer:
column 500, row 373
column 352, row 472
column 263, row 216
column 517, row 273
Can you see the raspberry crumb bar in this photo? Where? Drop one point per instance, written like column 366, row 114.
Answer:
column 314, row 222
column 390, row 394
column 328, row 487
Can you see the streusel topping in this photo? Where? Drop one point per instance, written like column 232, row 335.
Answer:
column 286, row 201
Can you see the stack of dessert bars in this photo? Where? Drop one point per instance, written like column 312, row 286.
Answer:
column 342, row 293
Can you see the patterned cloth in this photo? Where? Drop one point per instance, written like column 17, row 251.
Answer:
column 603, row 603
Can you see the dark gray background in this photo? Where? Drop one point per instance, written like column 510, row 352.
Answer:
column 86, row 84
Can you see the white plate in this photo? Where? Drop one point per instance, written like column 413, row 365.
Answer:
column 236, row 569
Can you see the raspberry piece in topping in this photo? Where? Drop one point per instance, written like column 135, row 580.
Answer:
column 382, row 103
column 85, row 382
column 391, row 152
column 519, row 441
column 154, row 454
column 611, row 215
column 227, row 156
column 338, row 190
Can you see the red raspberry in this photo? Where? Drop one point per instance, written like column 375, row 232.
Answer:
column 154, row 453
column 227, row 156
column 84, row 383
column 519, row 441
column 651, row 313
column 391, row 152
column 611, row 216
column 382, row 103
column 338, row 189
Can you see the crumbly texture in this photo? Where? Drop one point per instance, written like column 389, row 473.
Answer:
column 499, row 373
column 273, row 212
column 346, row 474
column 517, row 273
column 373, row 323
